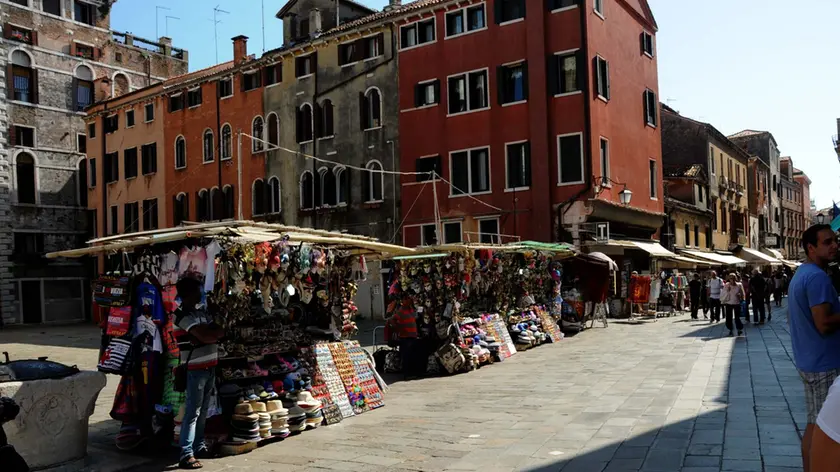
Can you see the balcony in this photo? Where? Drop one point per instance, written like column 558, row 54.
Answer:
column 739, row 190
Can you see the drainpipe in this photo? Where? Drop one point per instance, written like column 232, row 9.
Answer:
column 394, row 184
column 219, row 156
column 315, row 144
column 105, row 207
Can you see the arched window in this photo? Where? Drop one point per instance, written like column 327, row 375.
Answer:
column 327, row 186
column 217, row 204
column 258, row 197
column 342, row 190
column 82, row 183
column 227, row 194
column 273, row 195
column 180, row 208
column 202, row 206
column 325, row 120
column 304, row 123
column 83, row 88
column 306, row 191
column 373, row 181
column 227, row 150
column 371, row 107
column 24, row 78
column 257, row 131
column 180, row 152
column 25, row 175
column 208, row 145
column 273, row 129
column 121, row 85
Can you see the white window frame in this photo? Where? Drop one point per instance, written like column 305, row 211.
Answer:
column 466, row 75
column 254, row 200
column 426, row 83
column 562, row 54
column 300, row 190
column 423, row 234
column 648, row 92
column 254, row 142
column 187, row 98
column 251, row 72
column 312, row 120
column 560, row 182
column 604, row 161
column 558, row 10
column 652, row 52
column 37, row 176
column 655, row 177
column 598, row 8
column 469, row 192
column 34, row 137
column 465, row 19
column 414, row 24
column 337, row 171
column 369, row 105
column 226, row 79
column 271, row 203
column 222, row 142
column 451, row 222
column 146, row 112
column 268, row 130
column 380, row 53
column 498, row 228
column 598, row 79
column 204, row 149
column 77, row 141
column 180, row 136
column 372, row 176
column 512, row 189
column 311, row 68
column 133, row 116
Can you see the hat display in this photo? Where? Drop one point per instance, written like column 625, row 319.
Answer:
column 245, row 418
column 274, row 407
column 243, row 408
column 305, row 400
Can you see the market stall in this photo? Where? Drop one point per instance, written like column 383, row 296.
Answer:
column 283, row 297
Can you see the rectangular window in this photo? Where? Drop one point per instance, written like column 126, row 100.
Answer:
column 651, row 105
column 452, row 232
column 23, row 79
column 470, row 171
column 130, row 163
column 518, row 165
column 428, row 164
column 150, row 214
column 427, row 93
column 81, row 143
column 349, row 53
column 465, row 20
column 53, row 7
column 373, row 46
column 570, row 159
column 84, row 51
column 273, row 74
column 563, row 73
column 700, row 193
column 149, row 152
column 176, row 102
column 24, row 136
column 513, row 83
column 558, row 4
column 605, row 159
column 194, row 97
column 428, row 235
column 488, row 231
column 599, row 7
column 112, row 123
column 92, row 130
column 687, row 235
column 416, row 34
column 129, row 118
column 712, row 158
column 509, row 10
column 225, row 87
column 647, row 43
column 20, row 34
column 112, row 167
column 150, row 112
column 250, row 81
column 653, row 178
column 84, row 12
column 304, row 65
column 602, row 77
column 468, row 92
column 92, row 172
column 114, row 221
column 29, row 244
column 131, row 217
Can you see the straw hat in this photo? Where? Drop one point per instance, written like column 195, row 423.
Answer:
column 274, row 407
column 243, row 408
column 305, row 400
column 259, row 407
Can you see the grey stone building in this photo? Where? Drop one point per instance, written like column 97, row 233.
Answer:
column 337, row 100
column 59, row 56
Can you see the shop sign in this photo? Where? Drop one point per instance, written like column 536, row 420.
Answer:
column 771, row 240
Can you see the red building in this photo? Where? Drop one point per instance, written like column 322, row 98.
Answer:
column 535, row 120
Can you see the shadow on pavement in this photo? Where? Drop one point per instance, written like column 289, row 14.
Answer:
column 86, row 336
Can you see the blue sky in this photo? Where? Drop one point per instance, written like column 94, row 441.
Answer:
column 759, row 64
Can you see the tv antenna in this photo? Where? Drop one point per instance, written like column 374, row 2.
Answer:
column 157, row 15
column 216, row 22
column 167, row 23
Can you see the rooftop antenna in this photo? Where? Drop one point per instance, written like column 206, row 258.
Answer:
column 157, row 14
column 216, row 22
column 167, row 23
column 262, row 16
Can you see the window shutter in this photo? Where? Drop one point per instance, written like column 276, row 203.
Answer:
column 72, row 48
column 10, row 81
column 553, row 72
column 607, row 76
column 363, row 111
column 500, row 84
column 642, row 42
column 97, row 54
column 437, row 90
column 358, row 50
column 75, row 93
column 34, row 86
column 329, row 121
column 497, row 11
column 646, row 105
column 525, row 79
column 7, row 31
column 319, row 128
column 418, row 95
column 12, row 136
column 241, row 82
column 380, row 40
column 299, row 125
column 314, row 62
column 580, row 69
column 34, row 38
column 523, row 3
column 595, row 70
column 218, row 89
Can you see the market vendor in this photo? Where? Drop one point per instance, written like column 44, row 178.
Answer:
column 199, row 350
column 404, row 324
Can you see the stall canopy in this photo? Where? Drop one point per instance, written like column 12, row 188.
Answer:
column 753, row 256
column 683, row 262
column 774, row 253
column 717, row 259
column 791, row 264
column 654, row 249
column 603, row 257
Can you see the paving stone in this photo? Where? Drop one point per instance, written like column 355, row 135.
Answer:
column 741, row 465
column 702, row 461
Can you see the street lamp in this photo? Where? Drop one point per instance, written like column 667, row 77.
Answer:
column 820, row 218
column 625, row 196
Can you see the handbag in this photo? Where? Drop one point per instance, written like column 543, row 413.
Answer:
column 180, row 381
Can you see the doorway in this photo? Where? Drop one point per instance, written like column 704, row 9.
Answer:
column 30, row 300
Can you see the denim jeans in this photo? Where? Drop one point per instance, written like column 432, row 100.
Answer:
column 200, row 385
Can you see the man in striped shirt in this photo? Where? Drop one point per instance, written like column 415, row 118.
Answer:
column 197, row 338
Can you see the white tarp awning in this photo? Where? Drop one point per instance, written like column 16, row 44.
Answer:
column 654, row 249
column 776, row 254
column 605, row 258
column 721, row 259
column 757, row 256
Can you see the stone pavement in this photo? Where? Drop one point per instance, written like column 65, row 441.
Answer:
column 666, row 396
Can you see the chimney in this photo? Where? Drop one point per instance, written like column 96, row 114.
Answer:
column 165, row 45
column 314, row 22
column 240, row 49
column 393, row 5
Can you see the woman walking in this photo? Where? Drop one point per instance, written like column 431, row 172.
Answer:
column 730, row 297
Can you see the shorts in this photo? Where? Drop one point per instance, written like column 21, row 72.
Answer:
column 816, row 390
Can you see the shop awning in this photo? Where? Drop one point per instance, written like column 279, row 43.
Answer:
column 791, row 264
column 751, row 255
column 683, row 262
column 717, row 259
column 654, row 249
column 603, row 257
column 774, row 253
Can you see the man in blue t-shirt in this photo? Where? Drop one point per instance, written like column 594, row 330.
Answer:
column 814, row 324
